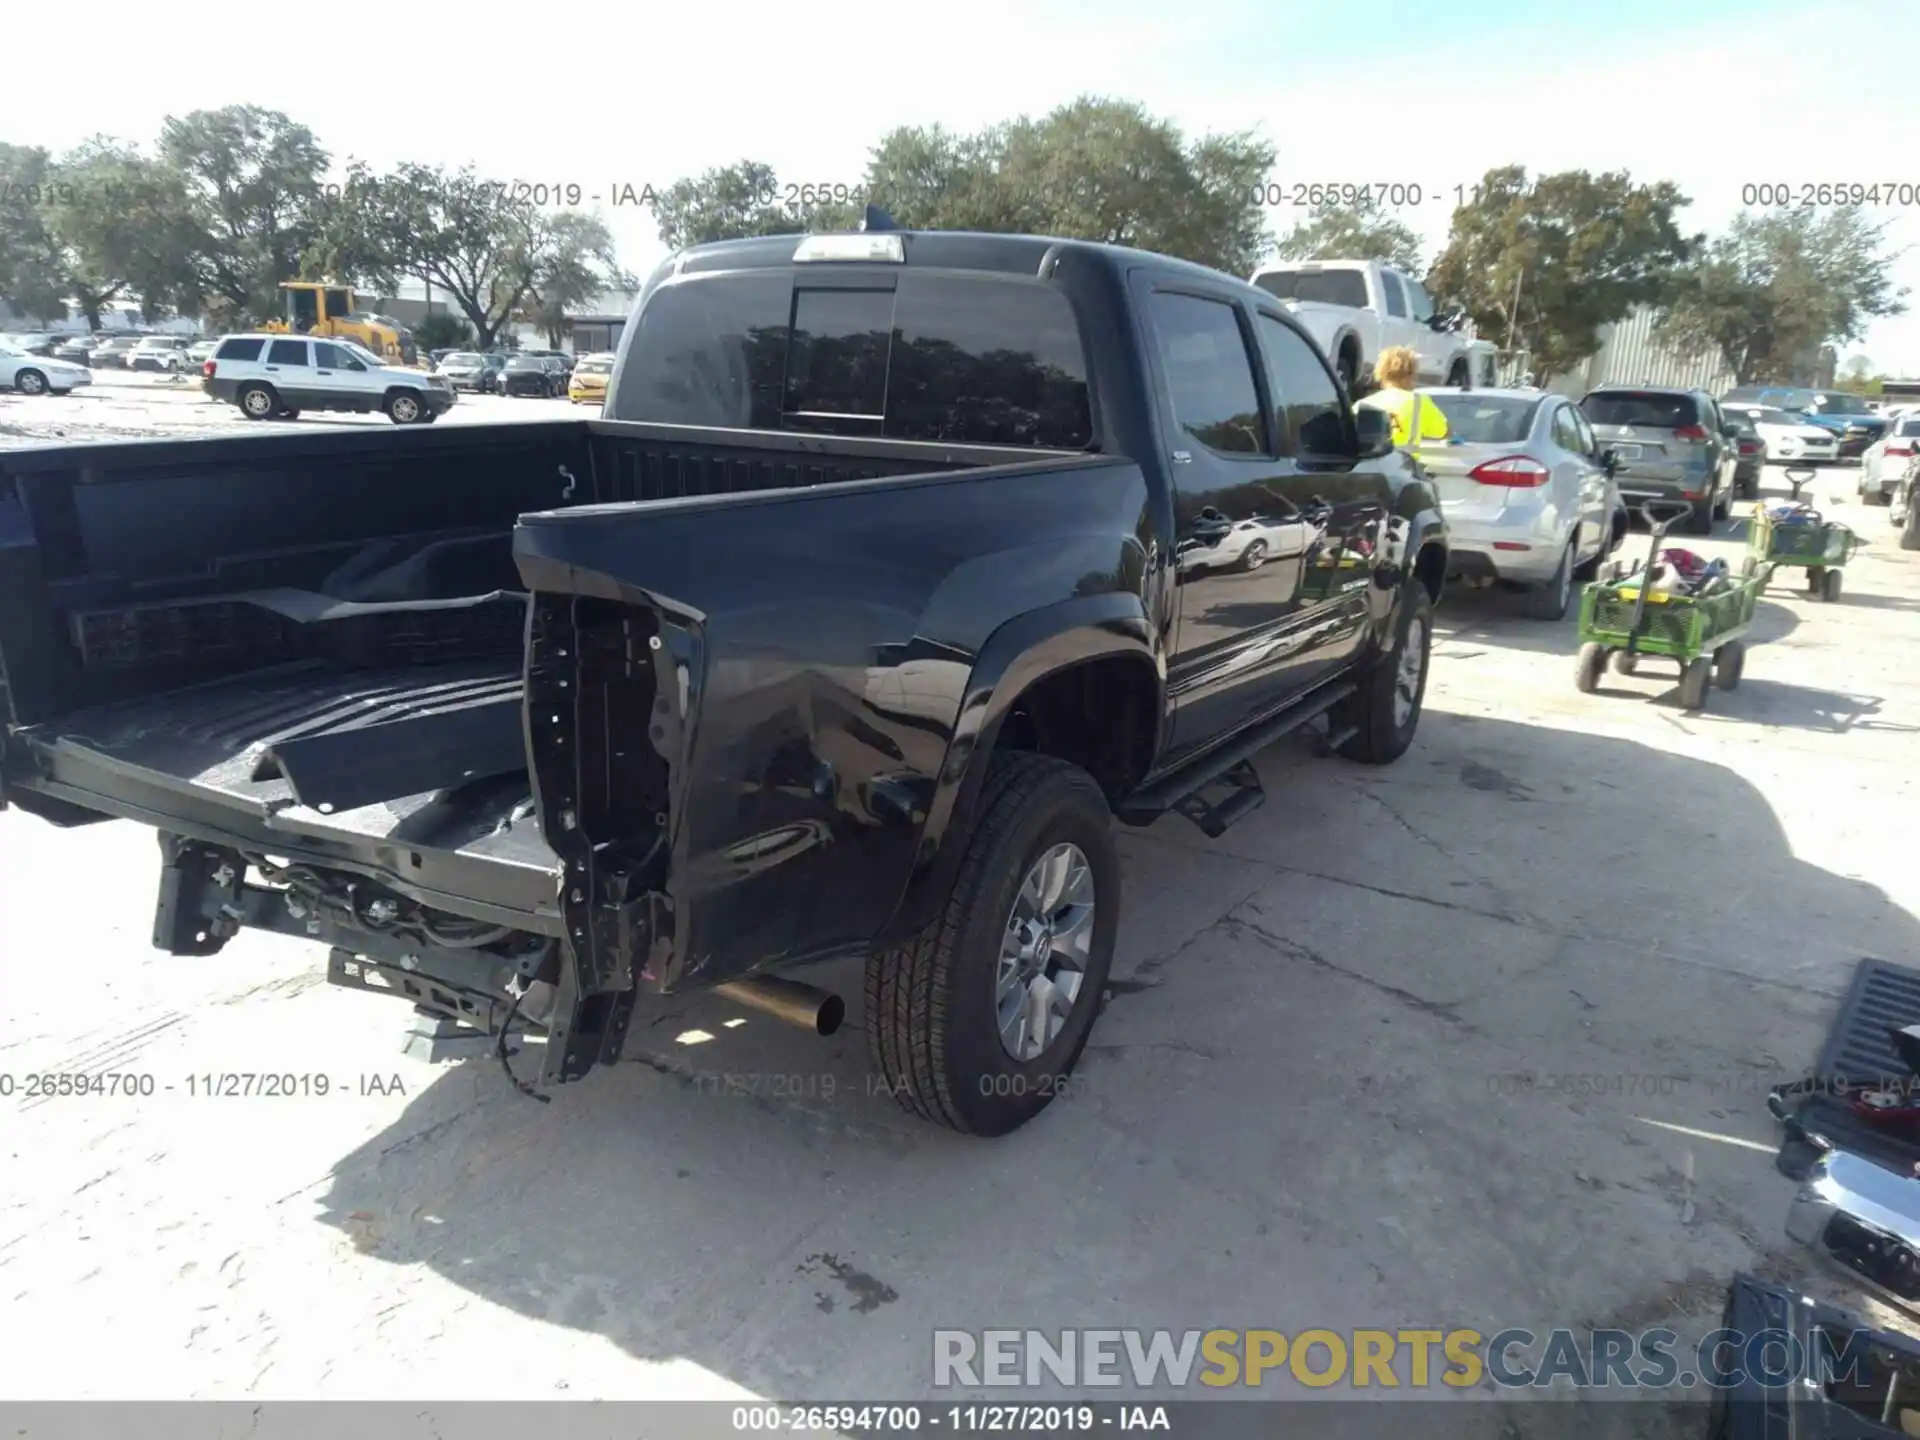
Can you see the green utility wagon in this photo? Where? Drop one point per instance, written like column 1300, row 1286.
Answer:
column 1623, row 620
column 1821, row 548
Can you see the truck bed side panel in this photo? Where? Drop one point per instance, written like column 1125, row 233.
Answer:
column 794, row 721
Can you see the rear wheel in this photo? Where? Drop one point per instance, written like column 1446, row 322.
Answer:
column 1588, row 666
column 1830, row 586
column 1910, row 529
column 1385, row 711
column 1625, row 662
column 1700, row 518
column 976, row 1023
column 1695, row 681
column 258, row 402
column 1550, row 601
column 1349, row 368
column 1254, row 556
column 1723, row 505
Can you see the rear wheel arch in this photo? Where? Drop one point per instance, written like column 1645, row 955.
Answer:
column 1029, row 677
column 1430, row 568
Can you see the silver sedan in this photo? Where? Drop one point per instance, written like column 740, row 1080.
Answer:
column 1528, row 493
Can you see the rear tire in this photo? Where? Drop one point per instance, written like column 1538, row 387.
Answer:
column 1830, row 586
column 1910, row 531
column 1385, row 711
column 1695, row 681
column 30, row 382
column 1625, row 662
column 1700, row 518
column 1254, row 556
column 1550, row 601
column 933, row 1026
column 1588, row 666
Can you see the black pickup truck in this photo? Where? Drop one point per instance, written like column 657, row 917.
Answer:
column 898, row 566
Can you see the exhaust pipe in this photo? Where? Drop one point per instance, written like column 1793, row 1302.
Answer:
column 789, row 1000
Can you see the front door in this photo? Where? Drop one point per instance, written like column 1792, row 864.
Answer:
column 345, row 380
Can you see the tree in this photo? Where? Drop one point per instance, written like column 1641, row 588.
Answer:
column 1780, row 284
column 470, row 239
column 574, row 261
column 1095, row 169
column 733, row 202
column 1352, row 232
column 441, row 331
column 126, row 227
column 32, row 267
column 253, row 176
column 1543, row 264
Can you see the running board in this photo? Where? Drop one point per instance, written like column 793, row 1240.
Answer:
column 1230, row 765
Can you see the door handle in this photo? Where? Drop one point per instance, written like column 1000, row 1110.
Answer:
column 323, row 372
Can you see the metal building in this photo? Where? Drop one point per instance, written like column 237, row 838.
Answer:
column 1630, row 354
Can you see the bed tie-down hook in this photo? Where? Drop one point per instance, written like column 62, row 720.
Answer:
column 567, row 494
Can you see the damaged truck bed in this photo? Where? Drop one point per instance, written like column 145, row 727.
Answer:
column 897, row 567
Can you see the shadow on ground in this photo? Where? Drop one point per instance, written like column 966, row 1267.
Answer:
column 1482, row 1039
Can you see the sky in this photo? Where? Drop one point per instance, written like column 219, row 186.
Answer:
column 1711, row 95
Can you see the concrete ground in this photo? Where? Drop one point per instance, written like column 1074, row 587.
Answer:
column 1479, row 1039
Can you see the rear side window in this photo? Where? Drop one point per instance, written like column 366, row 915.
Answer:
column 1909, row 427
column 1565, row 433
column 963, row 359
column 1643, row 408
column 239, row 350
column 287, row 352
column 1208, row 373
column 1329, row 287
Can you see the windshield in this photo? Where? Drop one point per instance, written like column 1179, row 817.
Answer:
column 1329, row 287
column 1772, row 415
column 1836, row 403
column 7, row 347
column 1634, row 407
column 1487, row 419
column 463, row 357
column 1909, row 427
column 594, row 367
column 525, row 363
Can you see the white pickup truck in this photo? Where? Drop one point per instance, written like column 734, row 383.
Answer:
column 1357, row 308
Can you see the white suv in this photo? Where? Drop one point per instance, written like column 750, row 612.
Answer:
column 277, row 376
column 159, row 352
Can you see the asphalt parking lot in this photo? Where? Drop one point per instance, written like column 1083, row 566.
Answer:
column 1480, row 1039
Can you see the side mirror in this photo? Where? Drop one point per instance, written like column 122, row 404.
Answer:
column 1374, row 428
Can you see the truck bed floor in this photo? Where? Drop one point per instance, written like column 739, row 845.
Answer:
column 205, row 755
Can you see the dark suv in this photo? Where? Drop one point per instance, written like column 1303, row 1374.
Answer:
column 1672, row 444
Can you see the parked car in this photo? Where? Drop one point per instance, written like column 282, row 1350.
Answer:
column 31, row 342
column 31, row 374
column 1357, row 308
column 722, row 735
column 200, row 352
column 1790, row 438
column 76, row 349
column 1887, row 459
column 1903, row 505
column 166, row 353
column 465, row 370
column 1281, row 534
column 531, row 375
column 1671, row 444
column 1751, row 452
column 1528, row 493
column 1846, row 416
column 437, row 356
column 587, row 385
column 113, row 353
column 275, row 377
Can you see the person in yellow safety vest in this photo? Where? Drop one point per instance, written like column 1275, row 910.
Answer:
column 1415, row 417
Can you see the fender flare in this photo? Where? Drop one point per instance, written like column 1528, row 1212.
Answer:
column 1023, row 650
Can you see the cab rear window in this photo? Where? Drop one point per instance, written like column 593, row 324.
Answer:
column 1649, row 410
column 966, row 359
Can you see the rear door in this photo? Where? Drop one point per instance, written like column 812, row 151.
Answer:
column 1579, row 486
column 289, row 366
column 1600, row 496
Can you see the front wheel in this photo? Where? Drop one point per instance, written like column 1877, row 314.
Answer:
column 1254, row 556
column 30, row 382
column 1830, row 586
column 976, row 1023
column 1385, row 711
column 404, row 408
column 1694, row 681
column 1588, row 666
column 1729, row 661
